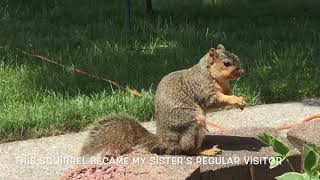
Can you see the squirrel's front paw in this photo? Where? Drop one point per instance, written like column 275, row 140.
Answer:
column 240, row 101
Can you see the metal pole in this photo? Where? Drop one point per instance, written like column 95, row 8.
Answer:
column 149, row 8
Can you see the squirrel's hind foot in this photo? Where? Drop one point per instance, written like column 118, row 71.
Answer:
column 213, row 151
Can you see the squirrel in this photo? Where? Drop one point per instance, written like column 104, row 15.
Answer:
column 182, row 100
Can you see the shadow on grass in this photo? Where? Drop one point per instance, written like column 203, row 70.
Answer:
column 312, row 102
column 272, row 38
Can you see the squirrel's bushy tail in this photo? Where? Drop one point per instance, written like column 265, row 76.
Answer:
column 117, row 134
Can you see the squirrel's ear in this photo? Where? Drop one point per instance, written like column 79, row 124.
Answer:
column 221, row 47
column 213, row 53
column 212, row 56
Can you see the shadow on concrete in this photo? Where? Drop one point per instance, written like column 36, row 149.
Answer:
column 233, row 143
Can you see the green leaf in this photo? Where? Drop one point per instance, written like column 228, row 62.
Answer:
column 308, row 177
column 296, row 176
column 276, row 163
column 307, row 148
column 280, row 148
column 311, row 162
column 266, row 139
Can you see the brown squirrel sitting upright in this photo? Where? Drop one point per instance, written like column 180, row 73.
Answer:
column 182, row 100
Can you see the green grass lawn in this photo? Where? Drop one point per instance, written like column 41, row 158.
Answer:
column 277, row 41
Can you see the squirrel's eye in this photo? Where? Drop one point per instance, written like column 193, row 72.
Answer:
column 227, row 64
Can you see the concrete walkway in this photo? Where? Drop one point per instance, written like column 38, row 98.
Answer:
column 33, row 159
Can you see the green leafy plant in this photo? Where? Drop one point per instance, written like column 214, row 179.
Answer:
column 311, row 156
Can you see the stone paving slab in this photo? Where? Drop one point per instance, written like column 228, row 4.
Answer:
column 243, row 157
column 269, row 115
column 134, row 168
column 21, row 159
column 307, row 133
column 69, row 145
column 248, row 156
